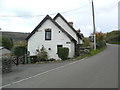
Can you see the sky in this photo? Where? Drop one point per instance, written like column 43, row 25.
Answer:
column 25, row 15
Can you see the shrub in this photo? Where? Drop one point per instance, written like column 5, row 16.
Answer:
column 86, row 42
column 100, row 44
column 51, row 59
column 6, row 64
column 20, row 51
column 63, row 53
column 42, row 55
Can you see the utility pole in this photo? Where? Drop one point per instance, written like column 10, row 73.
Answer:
column 94, row 31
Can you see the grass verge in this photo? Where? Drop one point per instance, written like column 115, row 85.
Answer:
column 114, row 43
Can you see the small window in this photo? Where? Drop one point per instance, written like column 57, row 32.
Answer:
column 48, row 34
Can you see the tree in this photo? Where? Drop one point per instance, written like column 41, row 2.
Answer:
column 20, row 49
column 86, row 42
column 7, row 42
column 100, row 37
column 20, row 43
column 113, row 37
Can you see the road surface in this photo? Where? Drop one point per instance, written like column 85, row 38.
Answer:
column 99, row 71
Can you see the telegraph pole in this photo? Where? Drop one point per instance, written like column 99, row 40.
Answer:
column 94, row 29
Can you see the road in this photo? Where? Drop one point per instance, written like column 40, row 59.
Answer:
column 99, row 71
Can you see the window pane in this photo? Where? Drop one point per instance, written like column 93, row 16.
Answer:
column 47, row 35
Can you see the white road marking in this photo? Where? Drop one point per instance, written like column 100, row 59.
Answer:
column 40, row 74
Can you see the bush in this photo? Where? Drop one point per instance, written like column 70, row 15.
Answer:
column 63, row 53
column 100, row 44
column 6, row 64
column 19, row 51
column 113, row 37
column 42, row 55
column 86, row 42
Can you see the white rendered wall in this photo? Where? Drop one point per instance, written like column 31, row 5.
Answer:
column 38, row 39
column 61, row 22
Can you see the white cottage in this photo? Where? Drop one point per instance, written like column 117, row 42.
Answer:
column 54, row 33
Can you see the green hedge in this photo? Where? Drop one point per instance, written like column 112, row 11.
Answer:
column 6, row 64
column 63, row 53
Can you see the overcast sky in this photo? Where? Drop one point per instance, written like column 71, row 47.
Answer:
column 25, row 15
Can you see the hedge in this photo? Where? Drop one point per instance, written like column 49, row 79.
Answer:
column 63, row 53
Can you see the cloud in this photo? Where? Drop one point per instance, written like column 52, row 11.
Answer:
column 105, row 14
column 88, row 30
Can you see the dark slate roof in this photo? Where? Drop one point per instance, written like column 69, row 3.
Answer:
column 59, row 15
column 49, row 18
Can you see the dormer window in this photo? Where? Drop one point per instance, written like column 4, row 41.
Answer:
column 47, row 34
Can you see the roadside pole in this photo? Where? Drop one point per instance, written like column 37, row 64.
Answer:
column 94, row 29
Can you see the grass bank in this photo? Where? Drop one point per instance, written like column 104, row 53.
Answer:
column 114, row 43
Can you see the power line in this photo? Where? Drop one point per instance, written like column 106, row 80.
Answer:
column 43, row 14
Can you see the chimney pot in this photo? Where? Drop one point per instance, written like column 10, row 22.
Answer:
column 71, row 23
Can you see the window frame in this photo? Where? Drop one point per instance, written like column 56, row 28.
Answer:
column 48, row 31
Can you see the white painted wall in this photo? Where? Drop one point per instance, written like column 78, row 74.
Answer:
column 38, row 39
column 119, row 15
column 61, row 22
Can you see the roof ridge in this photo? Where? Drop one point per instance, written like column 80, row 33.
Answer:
column 39, row 25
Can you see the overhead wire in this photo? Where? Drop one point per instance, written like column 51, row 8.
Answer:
column 44, row 14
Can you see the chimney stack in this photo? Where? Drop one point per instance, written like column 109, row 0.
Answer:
column 71, row 23
column 78, row 31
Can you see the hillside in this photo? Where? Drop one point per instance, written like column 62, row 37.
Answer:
column 113, row 37
column 16, row 36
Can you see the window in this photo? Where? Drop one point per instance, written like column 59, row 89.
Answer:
column 48, row 34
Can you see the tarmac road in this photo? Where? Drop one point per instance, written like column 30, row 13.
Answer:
column 99, row 71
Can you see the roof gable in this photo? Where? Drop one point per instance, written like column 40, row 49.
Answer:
column 59, row 15
column 49, row 18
